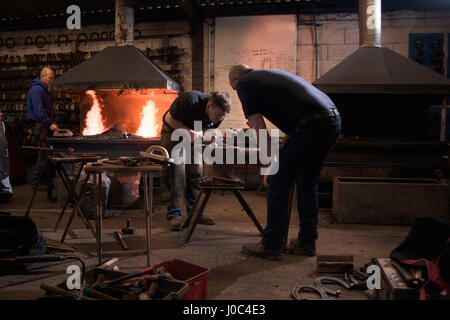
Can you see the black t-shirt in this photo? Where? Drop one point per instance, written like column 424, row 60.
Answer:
column 189, row 107
column 282, row 97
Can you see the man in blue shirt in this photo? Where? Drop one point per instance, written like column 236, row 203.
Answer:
column 42, row 118
column 312, row 122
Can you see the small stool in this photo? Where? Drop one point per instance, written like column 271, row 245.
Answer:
column 200, row 204
column 59, row 163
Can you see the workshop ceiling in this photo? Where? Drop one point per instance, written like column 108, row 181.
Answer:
column 27, row 14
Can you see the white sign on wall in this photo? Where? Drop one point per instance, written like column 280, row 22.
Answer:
column 262, row 42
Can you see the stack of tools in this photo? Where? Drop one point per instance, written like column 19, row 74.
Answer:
column 106, row 284
column 213, row 181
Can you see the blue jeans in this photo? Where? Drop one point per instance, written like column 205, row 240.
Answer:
column 174, row 178
column 300, row 162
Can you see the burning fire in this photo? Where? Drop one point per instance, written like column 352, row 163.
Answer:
column 137, row 112
column 94, row 120
column 149, row 125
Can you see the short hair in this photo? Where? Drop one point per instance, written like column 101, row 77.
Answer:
column 221, row 100
column 44, row 71
column 238, row 70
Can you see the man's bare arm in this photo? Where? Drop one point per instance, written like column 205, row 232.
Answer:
column 176, row 124
column 256, row 121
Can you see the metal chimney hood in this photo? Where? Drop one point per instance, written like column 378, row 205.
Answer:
column 375, row 70
column 119, row 67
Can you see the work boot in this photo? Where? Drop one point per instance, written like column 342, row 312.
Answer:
column 295, row 247
column 176, row 224
column 206, row 220
column 258, row 250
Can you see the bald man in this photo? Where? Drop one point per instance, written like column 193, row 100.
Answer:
column 312, row 122
column 42, row 119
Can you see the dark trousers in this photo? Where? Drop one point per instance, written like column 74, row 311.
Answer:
column 41, row 133
column 301, row 160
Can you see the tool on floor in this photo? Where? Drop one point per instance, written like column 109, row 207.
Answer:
column 301, row 288
column 110, row 264
column 319, row 282
column 128, row 229
column 122, row 242
column 355, row 284
column 334, row 263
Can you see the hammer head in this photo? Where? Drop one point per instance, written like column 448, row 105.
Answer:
column 128, row 229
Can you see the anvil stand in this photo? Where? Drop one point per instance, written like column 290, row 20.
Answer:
column 226, row 171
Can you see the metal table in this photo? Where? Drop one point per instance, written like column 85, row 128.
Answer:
column 96, row 169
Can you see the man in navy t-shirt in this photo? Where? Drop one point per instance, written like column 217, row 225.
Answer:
column 312, row 122
column 189, row 107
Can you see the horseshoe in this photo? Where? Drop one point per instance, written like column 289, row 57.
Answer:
column 58, row 41
column 104, row 35
column 40, row 44
column 29, row 41
column 295, row 292
column 94, row 36
column 84, row 36
column 10, row 43
column 318, row 282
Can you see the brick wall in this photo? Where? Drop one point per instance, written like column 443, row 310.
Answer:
column 338, row 36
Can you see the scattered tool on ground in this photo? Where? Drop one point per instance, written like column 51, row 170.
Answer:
column 334, row 263
column 128, row 229
column 296, row 292
column 122, row 242
column 319, row 282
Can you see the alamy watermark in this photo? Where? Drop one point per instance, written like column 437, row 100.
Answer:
column 374, row 280
column 74, row 280
column 74, row 20
column 236, row 147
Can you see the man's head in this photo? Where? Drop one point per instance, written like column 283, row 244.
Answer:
column 236, row 72
column 47, row 76
column 218, row 105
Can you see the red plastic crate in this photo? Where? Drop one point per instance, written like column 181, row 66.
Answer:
column 195, row 275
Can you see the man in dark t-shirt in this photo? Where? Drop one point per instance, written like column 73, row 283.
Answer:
column 312, row 122
column 189, row 107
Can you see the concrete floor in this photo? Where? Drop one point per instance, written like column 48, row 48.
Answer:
column 233, row 275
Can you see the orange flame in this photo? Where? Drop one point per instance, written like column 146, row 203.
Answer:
column 149, row 125
column 94, row 120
